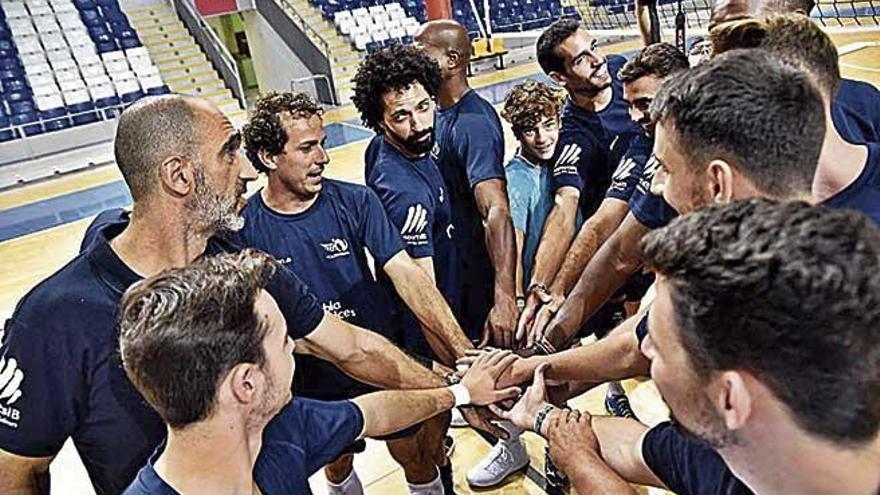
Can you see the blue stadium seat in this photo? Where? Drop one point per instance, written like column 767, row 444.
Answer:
column 132, row 97
column 81, row 114
column 85, row 4
column 91, row 17
column 161, row 90
column 55, row 119
column 27, row 118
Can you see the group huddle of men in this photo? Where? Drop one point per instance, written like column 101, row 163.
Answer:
column 715, row 225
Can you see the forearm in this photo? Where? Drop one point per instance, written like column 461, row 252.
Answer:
column 368, row 357
column 615, row 262
column 590, row 475
column 593, row 234
column 620, row 445
column 501, row 245
column 555, row 240
column 520, row 243
column 390, row 411
column 446, row 339
column 23, row 475
column 644, row 21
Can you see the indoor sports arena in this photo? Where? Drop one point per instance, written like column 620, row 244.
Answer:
column 429, row 247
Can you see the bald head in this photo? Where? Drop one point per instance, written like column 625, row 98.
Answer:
column 443, row 38
column 151, row 131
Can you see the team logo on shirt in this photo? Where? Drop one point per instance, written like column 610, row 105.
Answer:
column 648, row 174
column 335, row 308
column 413, row 230
column 568, row 159
column 441, row 194
column 11, row 378
column 336, row 248
column 623, row 171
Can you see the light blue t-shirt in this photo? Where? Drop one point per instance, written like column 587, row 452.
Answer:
column 528, row 189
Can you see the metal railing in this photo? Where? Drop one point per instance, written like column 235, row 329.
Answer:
column 314, row 79
column 213, row 46
column 306, row 27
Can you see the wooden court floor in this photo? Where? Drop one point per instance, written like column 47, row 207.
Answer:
column 26, row 260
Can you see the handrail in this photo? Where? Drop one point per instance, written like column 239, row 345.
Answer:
column 206, row 35
column 307, row 28
column 316, row 77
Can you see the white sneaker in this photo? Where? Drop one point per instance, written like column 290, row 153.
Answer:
column 458, row 420
column 504, row 459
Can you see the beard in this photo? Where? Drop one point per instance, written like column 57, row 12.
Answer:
column 414, row 145
column 271, row 403
column 213, row 210
column 712, row 431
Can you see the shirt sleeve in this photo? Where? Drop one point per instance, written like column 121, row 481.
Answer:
column 629, row 171
column 42, row 385
column 650, row 210
column 411, row 212
column 574, row 150
column 379, row 234
column 519, row 193
column 642, row 329
column 329, row 427
column 479, row 143
column 683, row 465
column 297, row 303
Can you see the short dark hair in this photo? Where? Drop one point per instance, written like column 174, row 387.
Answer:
column 264, row 130
column 391, row 69
column 789, row 293
column 797, row 39
column 528, row 103
column 789, row 6
column 741, row 33
column 753, row 111
column 149, row 132
column 181, row 331
column 549, row 41
column 659, row 60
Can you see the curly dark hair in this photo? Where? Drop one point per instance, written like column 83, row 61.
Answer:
column 659, row 59
column 787, row 292
column 526, row 104
column 264, row 132
column 391, row 69
column 549, row 41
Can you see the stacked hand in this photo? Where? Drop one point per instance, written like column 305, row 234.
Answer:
column 483, row 370
column 500, row 327
column 541, row 307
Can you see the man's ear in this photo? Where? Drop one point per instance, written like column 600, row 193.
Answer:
column 267, row 160
column 733, row 400
column 557, row 78
column 721, row 180
column 243, row 382
column 177, row 176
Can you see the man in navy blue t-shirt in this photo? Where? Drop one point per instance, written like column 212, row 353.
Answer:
column 790, row 408
column 221, row 381
column 587, row 175
column 180, row 159
column 594, row 268
column 322, row 229
column 470, row 154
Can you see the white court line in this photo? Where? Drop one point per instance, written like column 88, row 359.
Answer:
column 854, row 47
column 858, row 67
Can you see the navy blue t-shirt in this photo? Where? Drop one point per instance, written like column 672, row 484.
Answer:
column 68, row 380
column 326, row 246
column 855, row 111
column 650, row 210
column 470, row 150
column 687, row 467
column 416, row 201
column 628, row 173
column 863, row 194
column 302, row 438
column 592, row 144
column 642, row 329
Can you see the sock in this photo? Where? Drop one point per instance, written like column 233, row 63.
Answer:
column 349, row 486
column 446, row 478
column 512, row 430
column 614, row 388
column 434, row 487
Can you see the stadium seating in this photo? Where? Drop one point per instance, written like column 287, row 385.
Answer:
column 65, row 63
column 372, row 24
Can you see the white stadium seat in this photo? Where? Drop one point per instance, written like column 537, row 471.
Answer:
column 49, row 102
column 102, row 91
column 67, row 75
column 137, row 52
column 116, row 66
column 77, row 96
column 121, row 76
column 46, row 89
column 361, row 40
column 126, row 86
column 72, row 85
column 93, row 71
column 154, row 81
column 47, row 24
column 40, row 68
column 63, row 64
column 37, row 80
column 61, row 54
column 98, row 80
column 33, row 58
column 15, row 10
column 114, row 55
column 29, row 46
column 145, row 70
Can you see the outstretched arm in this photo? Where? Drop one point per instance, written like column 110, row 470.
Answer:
column 23, row 475
column 418, row 291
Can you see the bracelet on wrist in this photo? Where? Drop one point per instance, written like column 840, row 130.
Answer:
column 541, row 416
column 536, row 287
column 461, row 394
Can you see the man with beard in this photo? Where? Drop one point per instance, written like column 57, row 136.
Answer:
column 232, row 427
column 596, row 132
column 470, row 155
column 321, row 229
column 180, row 159
column 764, row 343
